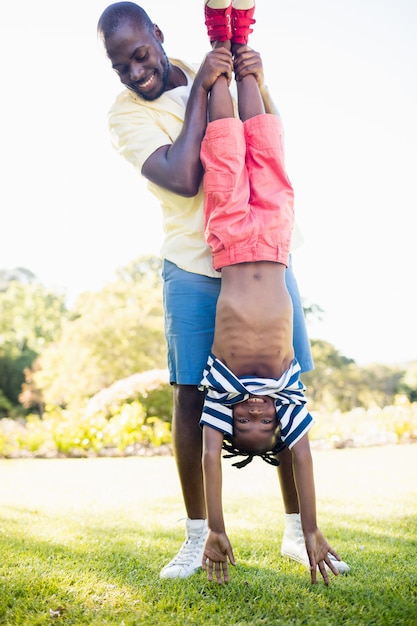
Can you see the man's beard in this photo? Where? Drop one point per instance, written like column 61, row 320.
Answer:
column 164, row 81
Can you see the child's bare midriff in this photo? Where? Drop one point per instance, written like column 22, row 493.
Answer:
column 253, row 334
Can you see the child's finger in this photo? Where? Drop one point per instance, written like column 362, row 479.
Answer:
column 231, row 556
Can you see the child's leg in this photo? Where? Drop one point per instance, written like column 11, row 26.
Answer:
column 249, row 98
column 218, row 21
column 220, row 104
column 271, row 193
column 250, row 101
column 226, row 186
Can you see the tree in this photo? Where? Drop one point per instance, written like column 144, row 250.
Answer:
column 409, row 383
column 326, row 384
column 312, row 311
column 338, row 383
column 112, row 334
column 381, row 383
column 30, row 319
column 18, row 274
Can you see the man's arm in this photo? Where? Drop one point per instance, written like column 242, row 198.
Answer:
column 177, row 166
column 316, row 544
column 218, row 548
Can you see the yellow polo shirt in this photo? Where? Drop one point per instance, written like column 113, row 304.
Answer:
column 138, row 128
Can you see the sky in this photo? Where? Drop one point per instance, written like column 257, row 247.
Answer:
column 343, row 75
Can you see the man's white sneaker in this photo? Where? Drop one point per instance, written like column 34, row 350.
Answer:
column 188, row 560
column 294, row 547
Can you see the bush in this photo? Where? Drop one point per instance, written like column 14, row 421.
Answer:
column 363, row 427
column 131, row 426
column 133, row 417
column 122, row 419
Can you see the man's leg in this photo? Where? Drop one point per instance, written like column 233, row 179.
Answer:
column 287, row 482
column 187, row 444
column 293, row 543
column 301, row 341
column 189, row 308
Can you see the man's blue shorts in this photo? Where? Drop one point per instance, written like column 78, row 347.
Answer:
column 190, row 311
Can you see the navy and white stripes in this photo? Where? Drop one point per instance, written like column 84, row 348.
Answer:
column 224, row 389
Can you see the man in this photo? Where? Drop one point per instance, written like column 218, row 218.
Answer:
column 158, row 124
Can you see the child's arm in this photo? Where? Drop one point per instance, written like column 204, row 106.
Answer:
column 316, row 543
column 218, row 548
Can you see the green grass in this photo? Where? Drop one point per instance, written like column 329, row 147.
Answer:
column 86, row 539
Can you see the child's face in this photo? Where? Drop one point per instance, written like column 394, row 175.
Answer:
column 255, row 424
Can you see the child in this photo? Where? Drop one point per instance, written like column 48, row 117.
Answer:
column 253, row 393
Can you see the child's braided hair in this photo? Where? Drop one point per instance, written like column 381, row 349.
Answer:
column 268, row 456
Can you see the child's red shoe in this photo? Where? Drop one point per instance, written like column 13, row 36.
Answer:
column 219, row 23
column 242, row 21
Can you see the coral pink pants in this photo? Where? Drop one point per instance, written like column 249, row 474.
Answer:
column 248, row 199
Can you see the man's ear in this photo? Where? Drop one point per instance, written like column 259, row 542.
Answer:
column 158, row 33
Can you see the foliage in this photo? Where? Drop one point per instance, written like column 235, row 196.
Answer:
column 127, row 427
column 146, row 268
column 312, row 311
column 74, row 360
column 64, row 433
column 97, row 532
column 12, row 368
column 152, row 387
column 30, row 396
column 409, row 382
column 119, row 330
column 120, row 420
column 113, row 333
column 381, row 384
column 31, row 318
column 5, row 404
column 19, row 274
column 365, row 427
column 325, row 384
column 338, row 384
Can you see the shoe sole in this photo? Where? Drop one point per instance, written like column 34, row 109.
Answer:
column 161, row 575
column 342, row 571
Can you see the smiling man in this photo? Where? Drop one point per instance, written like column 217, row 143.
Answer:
column 143, row 67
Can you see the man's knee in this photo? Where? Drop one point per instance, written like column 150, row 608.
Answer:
column 188, row 402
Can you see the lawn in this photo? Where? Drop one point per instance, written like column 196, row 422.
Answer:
column 82, row 542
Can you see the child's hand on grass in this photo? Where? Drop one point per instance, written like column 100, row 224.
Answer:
column 318, row 551
column 217, row 551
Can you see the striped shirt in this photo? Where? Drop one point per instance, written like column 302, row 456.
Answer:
column 223, row 390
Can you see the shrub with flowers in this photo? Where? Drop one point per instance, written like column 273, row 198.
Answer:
column 133, row 417
column 119, row 420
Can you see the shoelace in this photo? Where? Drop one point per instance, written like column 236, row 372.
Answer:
column 187, row 551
